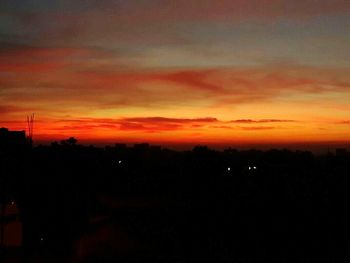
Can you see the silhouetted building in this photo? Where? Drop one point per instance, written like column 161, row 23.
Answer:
column 11, row 139
column 155, row 148
column 141, row 146
column 11, row 225
column 341, row 152
column 120, row 146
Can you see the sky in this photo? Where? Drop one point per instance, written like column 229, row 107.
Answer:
column 203, row 72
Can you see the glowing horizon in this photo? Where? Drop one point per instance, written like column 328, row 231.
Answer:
column 236, row 71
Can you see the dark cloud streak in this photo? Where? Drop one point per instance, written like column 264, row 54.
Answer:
column 250, row 121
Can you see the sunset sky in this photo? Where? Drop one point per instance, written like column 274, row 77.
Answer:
column 185, row 71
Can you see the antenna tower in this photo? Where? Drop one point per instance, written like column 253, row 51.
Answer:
column 30, row 123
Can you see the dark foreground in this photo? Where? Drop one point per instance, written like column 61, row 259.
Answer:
column 146, row 204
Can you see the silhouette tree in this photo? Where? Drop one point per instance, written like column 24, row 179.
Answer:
column 70, row 141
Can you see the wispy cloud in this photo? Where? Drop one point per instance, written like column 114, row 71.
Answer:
column 148, row 124
column 10, row 109
column 257, row 128
column 249, row 121
column 169, row 120
column 90, row 78
column 343, row 122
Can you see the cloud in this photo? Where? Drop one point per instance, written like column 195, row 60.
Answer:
column 257, row 128
column 146, row 23
column 221, row 127
column 89, row 78
column 140, row 12
column 117, row 125
column 17, row 58
column 10, row 109
column 87, row 82
column 249, row 121
column 238, row 10
column 159, row 124
column 146, row 125
column 343, row 122
column 170, row 120
column 192, row 78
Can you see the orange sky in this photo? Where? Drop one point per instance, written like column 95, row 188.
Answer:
column 228, row 73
